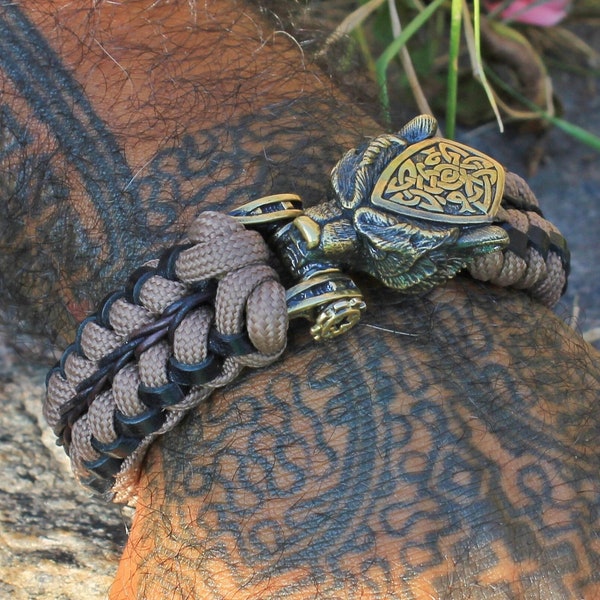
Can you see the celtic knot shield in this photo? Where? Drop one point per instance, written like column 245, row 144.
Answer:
column 441, row 180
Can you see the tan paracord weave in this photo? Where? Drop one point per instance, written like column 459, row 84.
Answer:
column 190, row 321
column 248, row 297
column 544, row 277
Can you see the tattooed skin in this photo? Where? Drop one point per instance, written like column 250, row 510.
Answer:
column 55, row 125
column 445, row 448
column 73, row 187
column 401, row 472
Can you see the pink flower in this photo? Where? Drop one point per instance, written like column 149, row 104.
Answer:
column 544, row 13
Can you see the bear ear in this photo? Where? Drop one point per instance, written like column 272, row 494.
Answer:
column 419, row 128
column 354, row 175
column 343, row 175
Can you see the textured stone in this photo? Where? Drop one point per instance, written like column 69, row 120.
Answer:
column 56, row 541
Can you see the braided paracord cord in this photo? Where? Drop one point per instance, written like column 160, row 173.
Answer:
column 184, row 325
column 537, row 258
column 190, row 321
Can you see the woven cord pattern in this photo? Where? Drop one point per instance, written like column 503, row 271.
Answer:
column 184, row 325
column 537, row 257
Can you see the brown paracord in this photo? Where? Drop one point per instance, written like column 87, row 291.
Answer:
column 190, row 321
column 185, row 325
column 537, row 259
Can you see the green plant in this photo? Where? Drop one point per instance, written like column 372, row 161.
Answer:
column 468, row 58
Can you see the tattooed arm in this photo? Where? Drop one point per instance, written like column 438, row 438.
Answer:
column 449, row 456
column 120, row 123
column 446, row 448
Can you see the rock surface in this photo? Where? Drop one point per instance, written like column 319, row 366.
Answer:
column 56, row 542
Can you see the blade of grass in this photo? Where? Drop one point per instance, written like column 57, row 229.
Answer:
column 454, row 51
column 365, row 49
column 407, row 64
column 571, row 68
column 351, row 22
column 392, row 50
column 473, row 37
column 579, row 133
column 576, row 132
column 570, row 42
column 495, row 12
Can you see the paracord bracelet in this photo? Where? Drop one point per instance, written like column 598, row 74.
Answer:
column 410, row 209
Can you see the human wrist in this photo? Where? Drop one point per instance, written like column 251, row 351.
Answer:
column 345, row 453
column 130, row 165
column 408, row 209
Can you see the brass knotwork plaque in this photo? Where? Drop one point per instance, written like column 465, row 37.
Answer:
column 441, row 180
